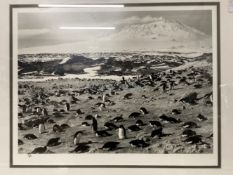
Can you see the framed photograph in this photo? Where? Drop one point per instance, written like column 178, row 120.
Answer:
column 115, row 85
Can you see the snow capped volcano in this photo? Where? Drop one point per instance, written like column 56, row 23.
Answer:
column 159, row 28
column 158, row 33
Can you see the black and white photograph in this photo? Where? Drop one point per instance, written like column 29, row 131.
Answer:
column 115, row 81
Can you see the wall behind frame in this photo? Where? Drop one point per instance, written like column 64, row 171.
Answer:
column 226, row 100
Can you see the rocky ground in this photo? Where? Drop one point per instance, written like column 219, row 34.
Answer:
column 190, row 95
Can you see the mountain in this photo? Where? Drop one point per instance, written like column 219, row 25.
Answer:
column 156, row 34
column 159, row 29
column 136, row 34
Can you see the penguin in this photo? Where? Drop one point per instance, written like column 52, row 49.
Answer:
column 201, row 118
column 81, row 148
column 36, row 124
column 138, row 83
column 117, row 119
column 176, row 111
column 57, row 128
column 208, row 102
column 94, row 124
column 157, row 132
column 102, row 105
column 64, row 126
column 210, row 136
column 67, row 106
column 38, row 110
column 104, row 98
column 128, row 96
column 20, row 115
column 41, row 128
column 112, row 92
column 110, row 103
column 90, row 98
column 167, row 119
column 135, row 115
column 188, row 133
column 209, row 95
column 155, row 123
column 30, row 136
column 190, row 125
column 77, row 137
column 97, row 116
column 138, row 143
column 143, row 111
column 21, row 126
column 134, row 128
column 74, row 99
column 102, row 133
column 50, row 121
column 44, row 112
column 139, row 123
column 20, row 142
column 190, row 98
column 151, row 78
column 194, row 139
column 197, row 86
column 109, row 146
column 156, row 89
column 164, row 86
column 39, row 150
column 89, row 117
column 110, row 126
column 62, row 110
column 172, row 83
column 121, row 132
column 54, row 142
column 79, row 112
column 123, row 80
column 85, row 124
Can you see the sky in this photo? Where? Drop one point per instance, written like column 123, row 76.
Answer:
column 40, row 33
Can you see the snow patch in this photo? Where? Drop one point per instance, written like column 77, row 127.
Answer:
column 64, row 60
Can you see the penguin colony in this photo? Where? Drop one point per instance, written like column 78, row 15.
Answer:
column 149, row 111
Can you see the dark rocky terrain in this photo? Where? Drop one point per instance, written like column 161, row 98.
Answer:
column 181, row 91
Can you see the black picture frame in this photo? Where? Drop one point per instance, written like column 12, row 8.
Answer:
column 216, row 4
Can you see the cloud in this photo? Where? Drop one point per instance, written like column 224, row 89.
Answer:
column 25, row 33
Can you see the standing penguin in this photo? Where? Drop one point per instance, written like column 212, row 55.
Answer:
column 104, row 98
column 121, row 132
column 102, row 105
column 38, row 110
column 67, row 106
column 143, row 110
column 77, row 137
column 94, row 125
column 172, row 83
column 44, row 112
column 151, row 78
column 123, row 80
column 164, row 85
column 41, row 128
